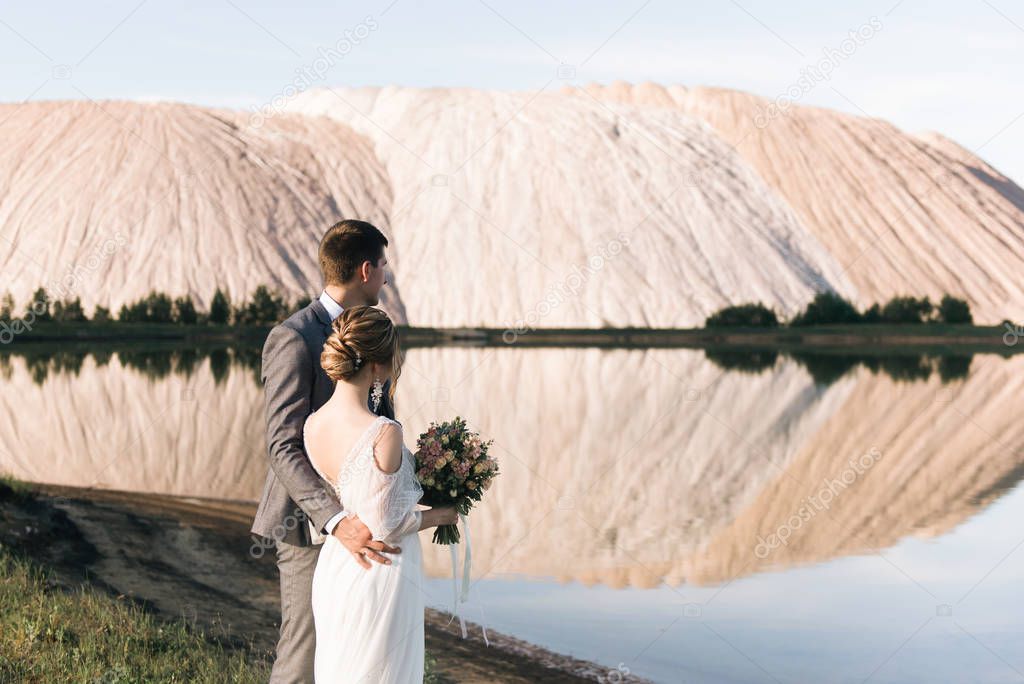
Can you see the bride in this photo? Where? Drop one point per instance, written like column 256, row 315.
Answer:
column 369, row 623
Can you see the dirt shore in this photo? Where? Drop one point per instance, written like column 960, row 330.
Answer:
column 191, row 559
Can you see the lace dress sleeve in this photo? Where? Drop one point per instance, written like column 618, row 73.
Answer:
column 390, row 506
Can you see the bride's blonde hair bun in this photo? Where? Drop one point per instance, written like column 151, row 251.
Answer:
column 360, row 336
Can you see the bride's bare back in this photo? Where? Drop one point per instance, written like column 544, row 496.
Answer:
column 331, row 433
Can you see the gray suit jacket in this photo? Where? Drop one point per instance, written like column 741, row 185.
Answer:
column 295, row 385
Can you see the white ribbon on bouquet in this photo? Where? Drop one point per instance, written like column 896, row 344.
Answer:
column 462, row 596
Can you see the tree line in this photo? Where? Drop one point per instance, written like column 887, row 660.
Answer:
column 263, row 307
column 829, row 308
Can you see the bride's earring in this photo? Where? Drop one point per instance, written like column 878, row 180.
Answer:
column 376, row 394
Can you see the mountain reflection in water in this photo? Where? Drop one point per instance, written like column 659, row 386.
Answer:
column 664, row 465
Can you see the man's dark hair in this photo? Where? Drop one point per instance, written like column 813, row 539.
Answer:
column 344, row 248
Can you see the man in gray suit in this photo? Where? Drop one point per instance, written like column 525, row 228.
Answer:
column 297, row 507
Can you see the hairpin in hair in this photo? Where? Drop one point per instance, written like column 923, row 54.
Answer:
column 359, row 360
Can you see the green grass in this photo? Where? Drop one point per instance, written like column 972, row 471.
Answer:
column 14, row 491
column 429, row 676
column 51, row 635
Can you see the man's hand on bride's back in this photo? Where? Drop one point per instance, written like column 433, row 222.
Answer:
column 356, row 537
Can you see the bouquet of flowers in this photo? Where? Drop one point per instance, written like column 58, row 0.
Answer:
column 454, row 469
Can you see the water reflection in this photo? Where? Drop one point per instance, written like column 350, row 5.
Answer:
column 661, row 467
column 154, row 363
column 827, row 368
column 184, row 422
column 158, row 363
column 675, row 466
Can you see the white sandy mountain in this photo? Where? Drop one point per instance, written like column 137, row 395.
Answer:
column 903, row 214
column 620, row 205
column 110, row 200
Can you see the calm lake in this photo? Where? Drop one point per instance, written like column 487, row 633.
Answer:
column 685, row 516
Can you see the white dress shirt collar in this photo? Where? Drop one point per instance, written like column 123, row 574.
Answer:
column 333, row 308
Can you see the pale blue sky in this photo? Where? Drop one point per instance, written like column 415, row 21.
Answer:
column 951, row 66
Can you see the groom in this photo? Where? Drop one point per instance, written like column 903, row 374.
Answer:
column 297, row 507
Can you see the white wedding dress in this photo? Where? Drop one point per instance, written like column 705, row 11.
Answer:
column 369, row 623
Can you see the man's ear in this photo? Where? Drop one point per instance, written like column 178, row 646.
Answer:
column 364, row 271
